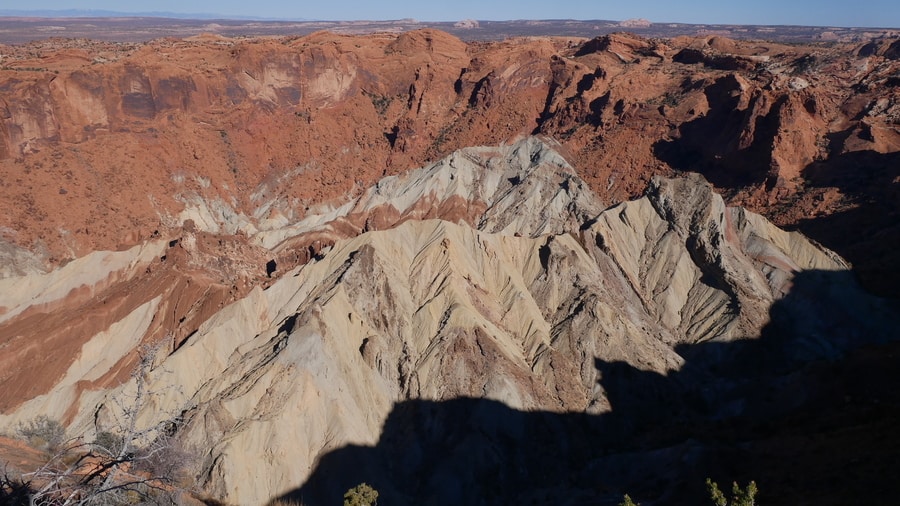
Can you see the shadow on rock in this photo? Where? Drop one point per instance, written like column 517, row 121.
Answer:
column 867, row 233
column 713, row 144
column 809, row 410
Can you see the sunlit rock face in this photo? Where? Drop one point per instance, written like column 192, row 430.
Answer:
column 102, row 145
column 487, row 286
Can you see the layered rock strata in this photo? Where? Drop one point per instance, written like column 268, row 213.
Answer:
column 493, row 274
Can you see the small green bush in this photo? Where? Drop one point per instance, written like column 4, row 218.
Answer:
column 739, row 497
column 42, row 432
column 626, row 501
column 361, row 495
column 109, row 443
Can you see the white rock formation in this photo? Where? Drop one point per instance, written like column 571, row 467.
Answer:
column 511, row 297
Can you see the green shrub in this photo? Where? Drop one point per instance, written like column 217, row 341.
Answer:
column 745, row 497
column 109, row 443
column 42, row 432
column 626, row 501
column 361, row 495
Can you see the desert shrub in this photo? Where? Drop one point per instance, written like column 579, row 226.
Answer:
column 164, row 457
column 803, row 65
column 381, row 103
column 626, row 501
column 42, row 432
column 361, row 495
column 739, row 497
column 128, row 464
column 109, row 443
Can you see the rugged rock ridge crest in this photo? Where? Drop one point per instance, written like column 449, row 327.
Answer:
column 493, row 274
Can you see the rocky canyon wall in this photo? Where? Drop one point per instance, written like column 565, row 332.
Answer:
column 103, row 144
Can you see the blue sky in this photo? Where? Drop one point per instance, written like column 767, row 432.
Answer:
column 879, row 13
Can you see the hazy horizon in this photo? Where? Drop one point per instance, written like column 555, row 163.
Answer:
column 876, row 13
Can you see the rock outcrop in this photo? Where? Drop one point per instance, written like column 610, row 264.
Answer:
column 102, row 144
column 494, row 274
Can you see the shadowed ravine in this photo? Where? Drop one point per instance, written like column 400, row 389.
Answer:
column 867, row 233
column 805, row 410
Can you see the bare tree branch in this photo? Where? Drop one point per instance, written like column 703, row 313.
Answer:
column 125, row 458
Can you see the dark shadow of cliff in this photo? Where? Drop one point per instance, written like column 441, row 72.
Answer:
column 867, row 233
column 809, row 410
column 710, row 143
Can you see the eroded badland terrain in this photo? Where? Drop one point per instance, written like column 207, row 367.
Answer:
column 545, row 270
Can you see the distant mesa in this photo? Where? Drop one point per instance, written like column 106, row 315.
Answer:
column 466, row 23
column 635, row 23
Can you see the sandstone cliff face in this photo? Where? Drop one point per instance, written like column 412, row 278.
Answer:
column 494, row 274
column 126, row 137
